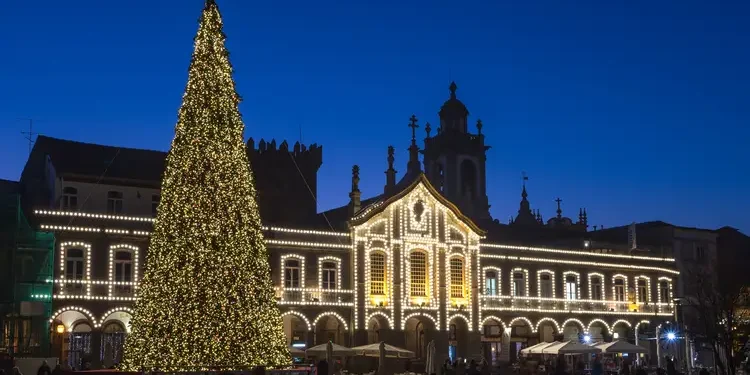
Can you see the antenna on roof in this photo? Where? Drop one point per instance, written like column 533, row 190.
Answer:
column 29, row 135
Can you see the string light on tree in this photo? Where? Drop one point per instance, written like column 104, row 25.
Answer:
column 206, row 299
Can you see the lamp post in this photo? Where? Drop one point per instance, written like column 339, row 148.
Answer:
column 60, row 329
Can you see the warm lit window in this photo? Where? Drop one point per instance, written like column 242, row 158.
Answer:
column 620, row 289
column 596, row 288
column 377, row 274
column 418, row 269
column 70, row 198
column 571, row 287
column 329, row 275
column 490, row 283
column 642, row 290
column 114, row 202
column 518, row 284
column 155, row 199
column 545, row 282
column 292, row 273
column 664, row 291
column 457, row 277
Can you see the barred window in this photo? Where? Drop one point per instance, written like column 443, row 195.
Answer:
column 377, row 274
column 418, row 266
column 457, row 278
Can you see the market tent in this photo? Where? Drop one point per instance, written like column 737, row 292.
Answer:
column 570, row 347
column 295, row 352
column 530, row 349
column 537, row 349
column 373, row 350
column 621, row 346
column 320, row 350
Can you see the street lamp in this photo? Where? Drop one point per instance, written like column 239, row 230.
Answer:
column 671, row 336
column 587, row 338
column 60, row 329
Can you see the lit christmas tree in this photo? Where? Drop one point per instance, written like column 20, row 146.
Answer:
column 206, row 299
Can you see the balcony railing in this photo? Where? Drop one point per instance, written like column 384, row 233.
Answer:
column 563, row 305
column 315, row 296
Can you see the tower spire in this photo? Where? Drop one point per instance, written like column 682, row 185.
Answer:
column 413, row 167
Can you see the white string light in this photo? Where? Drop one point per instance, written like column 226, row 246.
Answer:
column 77, row 309
column 579, row 263
column 299, row 315
column 591, row 323
column 547, row 319
column 602, row 293
column 64, row 247
column 334, row 314
column 575, row 252
column 531, row 326
column 134, row 252
column 574, row 320
column 385, row 316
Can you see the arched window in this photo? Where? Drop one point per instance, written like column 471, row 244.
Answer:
column 292, row 273
column 490, row 283
column 329, row 275
column 377, row 274
column 114, row 202
column 596, row 288
column 457, row 277
column 70, row 198
column 468, row 179
column 642, row 290
column 418, row 267
column 619, row 289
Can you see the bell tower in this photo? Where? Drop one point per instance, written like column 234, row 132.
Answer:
column 455, row 160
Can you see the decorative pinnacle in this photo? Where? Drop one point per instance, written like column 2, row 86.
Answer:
column 453, row 88
column 479, row 126
column 428, row 129
column 355, row 178
column 391, row 151
column 413, row 125
column 559, row 210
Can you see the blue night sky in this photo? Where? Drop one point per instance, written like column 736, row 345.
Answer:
column 636, row 110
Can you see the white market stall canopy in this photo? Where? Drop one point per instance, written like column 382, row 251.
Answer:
column 295, row 352
column 320, row 350
column 373, row 350
column 537, row 349
column 620, row 346
column 570, row 347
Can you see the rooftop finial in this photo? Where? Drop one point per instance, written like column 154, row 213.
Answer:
column 413, row 125
column 479, row 126
column 427, row 129
column 559, row 210
column 453, row 88
column 355, row 194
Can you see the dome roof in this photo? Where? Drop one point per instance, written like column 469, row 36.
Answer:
column 453, row 105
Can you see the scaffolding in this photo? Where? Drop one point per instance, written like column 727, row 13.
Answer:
column 26, row 275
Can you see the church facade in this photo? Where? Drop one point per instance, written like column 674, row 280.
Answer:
column 422, row 261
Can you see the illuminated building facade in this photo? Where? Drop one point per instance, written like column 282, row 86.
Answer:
column 422, row 261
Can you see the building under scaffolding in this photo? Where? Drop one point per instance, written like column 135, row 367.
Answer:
column 26, row 258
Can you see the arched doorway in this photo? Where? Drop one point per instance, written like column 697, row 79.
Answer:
column 599, row 330
column 547, row 329
column 113, row 341
column 458, row 337
column 329, row 328
column 521, row 336
column 295, row 330
column 572, row 329
column 79, row 345
column 494, row 341
column 378, row 328
column 621, row 330
column 418, row 332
